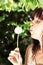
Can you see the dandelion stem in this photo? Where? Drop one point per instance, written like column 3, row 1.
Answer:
column 17, row 40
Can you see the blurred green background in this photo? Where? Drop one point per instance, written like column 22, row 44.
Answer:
column 15, row 13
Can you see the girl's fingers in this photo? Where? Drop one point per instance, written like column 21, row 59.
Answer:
column 14, row 53
column 13, row 61
column 14, row 58
column 16, row 49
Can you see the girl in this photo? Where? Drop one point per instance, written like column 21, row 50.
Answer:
column 34, row 52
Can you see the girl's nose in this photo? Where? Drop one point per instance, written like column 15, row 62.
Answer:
column 32, row 24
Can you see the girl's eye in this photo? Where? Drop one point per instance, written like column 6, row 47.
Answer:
column 37, row 21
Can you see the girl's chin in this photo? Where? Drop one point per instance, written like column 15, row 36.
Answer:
column 34, row 37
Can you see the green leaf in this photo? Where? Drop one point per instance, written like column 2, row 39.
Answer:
column 13, row 36
column 41, row 3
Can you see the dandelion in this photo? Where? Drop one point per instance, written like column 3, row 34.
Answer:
column 18, row 30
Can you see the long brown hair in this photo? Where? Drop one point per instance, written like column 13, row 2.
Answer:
column 36, row 45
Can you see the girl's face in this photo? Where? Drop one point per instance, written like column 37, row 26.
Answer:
column 36, row 28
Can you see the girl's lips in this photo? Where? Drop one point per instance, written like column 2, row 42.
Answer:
column 30, row 30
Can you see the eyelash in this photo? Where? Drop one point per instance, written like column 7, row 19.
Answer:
column 37, row 21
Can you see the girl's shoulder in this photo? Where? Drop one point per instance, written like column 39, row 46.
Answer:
column 29, row 51
column 28, row 54
column 29, row 48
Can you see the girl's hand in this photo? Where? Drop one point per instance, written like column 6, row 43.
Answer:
column 15, row 57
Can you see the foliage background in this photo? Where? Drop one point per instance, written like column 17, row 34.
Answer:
column 15, row 13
